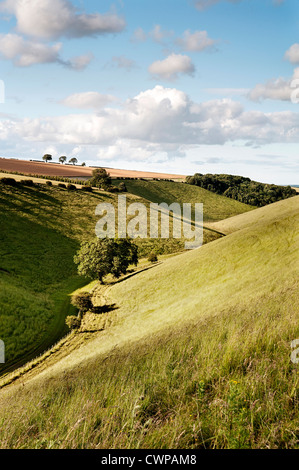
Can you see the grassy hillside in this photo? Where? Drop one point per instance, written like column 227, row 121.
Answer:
column 197, row 356
column 216, row 207
column 41, row 229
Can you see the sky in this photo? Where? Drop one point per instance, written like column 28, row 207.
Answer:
column 176, row 86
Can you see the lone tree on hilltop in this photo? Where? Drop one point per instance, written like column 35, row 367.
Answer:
column 73, row 161
column 100, row 178
column 100, row 257
column 62, row 159
column 47, row 157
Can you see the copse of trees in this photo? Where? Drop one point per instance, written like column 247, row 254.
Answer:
column 242, row 189
column 100, row 257
column 101, row 179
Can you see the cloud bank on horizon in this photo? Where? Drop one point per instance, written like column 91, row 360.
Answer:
column 146, row 88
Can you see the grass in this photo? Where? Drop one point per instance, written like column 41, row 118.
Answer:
column 216, row 207
column 197, row 356
column 41, row 229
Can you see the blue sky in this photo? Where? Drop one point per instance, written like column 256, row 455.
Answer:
column 178, row 86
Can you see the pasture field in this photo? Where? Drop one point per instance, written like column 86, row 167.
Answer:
column 41, row 229
column 216, row 207
column 197, row 354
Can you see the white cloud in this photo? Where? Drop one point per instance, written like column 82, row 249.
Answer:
column 196, row 42
column 274, row 89
column 88, row 100
column 292, row 54
column 25, row 53
column 51, row 19
column 157, row 121
column 172, row 66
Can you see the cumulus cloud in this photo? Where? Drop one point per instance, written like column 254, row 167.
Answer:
column 292, row 54
column 171, row 67
column 51, row 19
column 196, row 42
column 25, row 53
column 274, row 89
column 159, row 121
column 88, row 100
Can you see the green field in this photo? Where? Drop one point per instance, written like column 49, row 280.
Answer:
column 197, row 355
column 216, row 207
column 41, row 229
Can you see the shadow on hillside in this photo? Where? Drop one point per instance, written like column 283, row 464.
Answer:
column 104, row 309
column 133, row 274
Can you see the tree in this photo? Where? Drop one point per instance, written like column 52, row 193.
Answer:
column 73, row 161
column 83, row 302
column 47, row 158
column 100, row 178
column 62, row 159
column 100, row 257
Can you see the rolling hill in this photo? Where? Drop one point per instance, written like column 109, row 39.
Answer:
column 197, row 354
column 42, row 227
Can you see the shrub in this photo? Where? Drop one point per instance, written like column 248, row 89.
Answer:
column 82, row 301
column 27, row 182
column 87, row 188
column 71, row 187
column 153, row 258
column 61, row 185
column 9, row 181
column 49, row 183
column 73, row 322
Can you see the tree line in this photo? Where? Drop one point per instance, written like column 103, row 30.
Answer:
column 242, row 189
column 63, row 159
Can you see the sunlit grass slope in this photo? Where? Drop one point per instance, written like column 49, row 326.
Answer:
column 41, row 229
column 198, row 356
column 216, row 207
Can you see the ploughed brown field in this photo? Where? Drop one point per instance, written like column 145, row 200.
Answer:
column 74, row 171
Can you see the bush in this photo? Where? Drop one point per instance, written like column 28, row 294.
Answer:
column 27, row 182
column 49, row 183
column 87, row 188
column 62, row 185
column 153, row 258
column 73, row 322
column 82, row 301
column 71, row 187
column 9, row 181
